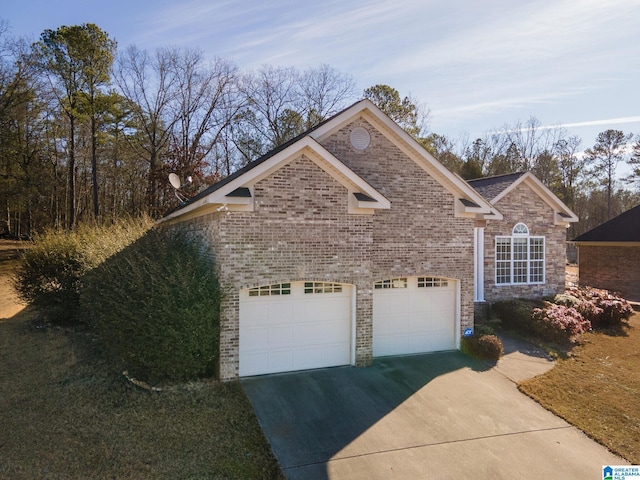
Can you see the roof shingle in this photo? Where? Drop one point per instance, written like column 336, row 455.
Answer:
column 623, row 228
column 491, row 187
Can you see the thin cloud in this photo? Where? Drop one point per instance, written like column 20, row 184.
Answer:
column 590, row 123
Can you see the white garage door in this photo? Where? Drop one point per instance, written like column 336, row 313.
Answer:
column 295, row 326
column 414, row 315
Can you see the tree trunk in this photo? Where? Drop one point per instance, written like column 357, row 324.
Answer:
column 94, row 167
column 71, row 174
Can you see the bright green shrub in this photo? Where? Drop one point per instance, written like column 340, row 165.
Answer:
column 50, row 272
column 483, row 347
column 155, row 305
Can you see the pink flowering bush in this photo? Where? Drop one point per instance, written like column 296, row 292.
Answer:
column 601, row 307
column 559, row 323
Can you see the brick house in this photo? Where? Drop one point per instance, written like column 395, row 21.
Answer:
column 524, row 248
column 351, row 242
column 609, row 255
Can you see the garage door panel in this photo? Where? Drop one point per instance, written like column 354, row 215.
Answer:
column 419, row 343
column 307, row 334
column 297, row 330
column 336, row 332
column 280, row 336
column 278, row 312
column 418, row 318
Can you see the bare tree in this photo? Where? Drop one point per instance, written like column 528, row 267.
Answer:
column 324, row 92
column 151, row 85
column 283, row 103
column 206, row 103
column 271, row 93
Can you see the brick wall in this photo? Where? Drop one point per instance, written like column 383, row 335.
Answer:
column 300, row 231
column 524, row 205
column 612, row 268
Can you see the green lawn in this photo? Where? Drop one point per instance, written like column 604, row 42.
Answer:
column 67, row 413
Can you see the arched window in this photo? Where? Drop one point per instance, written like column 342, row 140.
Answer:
column 520, row 230
column 520, row 258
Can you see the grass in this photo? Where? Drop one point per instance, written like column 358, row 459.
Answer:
column 65, row 413
column 597, row 389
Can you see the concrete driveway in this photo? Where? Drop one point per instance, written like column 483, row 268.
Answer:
column 423, row 416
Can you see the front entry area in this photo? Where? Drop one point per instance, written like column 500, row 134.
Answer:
column 414, row 315
column 293, row 326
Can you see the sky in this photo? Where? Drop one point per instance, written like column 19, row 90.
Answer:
column 478, row 65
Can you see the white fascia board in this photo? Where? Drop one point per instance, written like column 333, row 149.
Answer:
column 197, row 205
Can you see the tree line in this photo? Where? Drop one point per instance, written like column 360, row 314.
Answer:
column 89, row 132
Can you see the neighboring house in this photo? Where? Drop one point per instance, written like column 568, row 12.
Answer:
column 351, row 242
column 609, row 255
column 525, row 249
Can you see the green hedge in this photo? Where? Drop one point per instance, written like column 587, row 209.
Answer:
column 155, row 305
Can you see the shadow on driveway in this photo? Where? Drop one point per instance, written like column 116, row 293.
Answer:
column 424, row 416
column 310, row 416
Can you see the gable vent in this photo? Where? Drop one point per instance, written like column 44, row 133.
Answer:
column 360, row 138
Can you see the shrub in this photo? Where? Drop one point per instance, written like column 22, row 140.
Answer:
column 559, row 323
column 601, row 307
column 155, row 305
column 516, row 314
column 50, row 272
column 483, row 347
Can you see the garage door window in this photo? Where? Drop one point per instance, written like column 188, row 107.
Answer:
column 269, row 290
column 322, row 287
column 428, row 282
column 391, row 283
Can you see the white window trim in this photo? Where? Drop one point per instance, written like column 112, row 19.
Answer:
column 511, row 261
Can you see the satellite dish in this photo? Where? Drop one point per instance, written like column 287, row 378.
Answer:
column 174, row 180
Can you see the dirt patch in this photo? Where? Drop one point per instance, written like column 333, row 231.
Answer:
column 9, row 302
column 10, row 249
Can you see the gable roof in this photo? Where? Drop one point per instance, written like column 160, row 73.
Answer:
column 224, row 194
column 623, row 228
column 236, row 191
column 496, row 188
column 491, row 187
column 468, row 201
